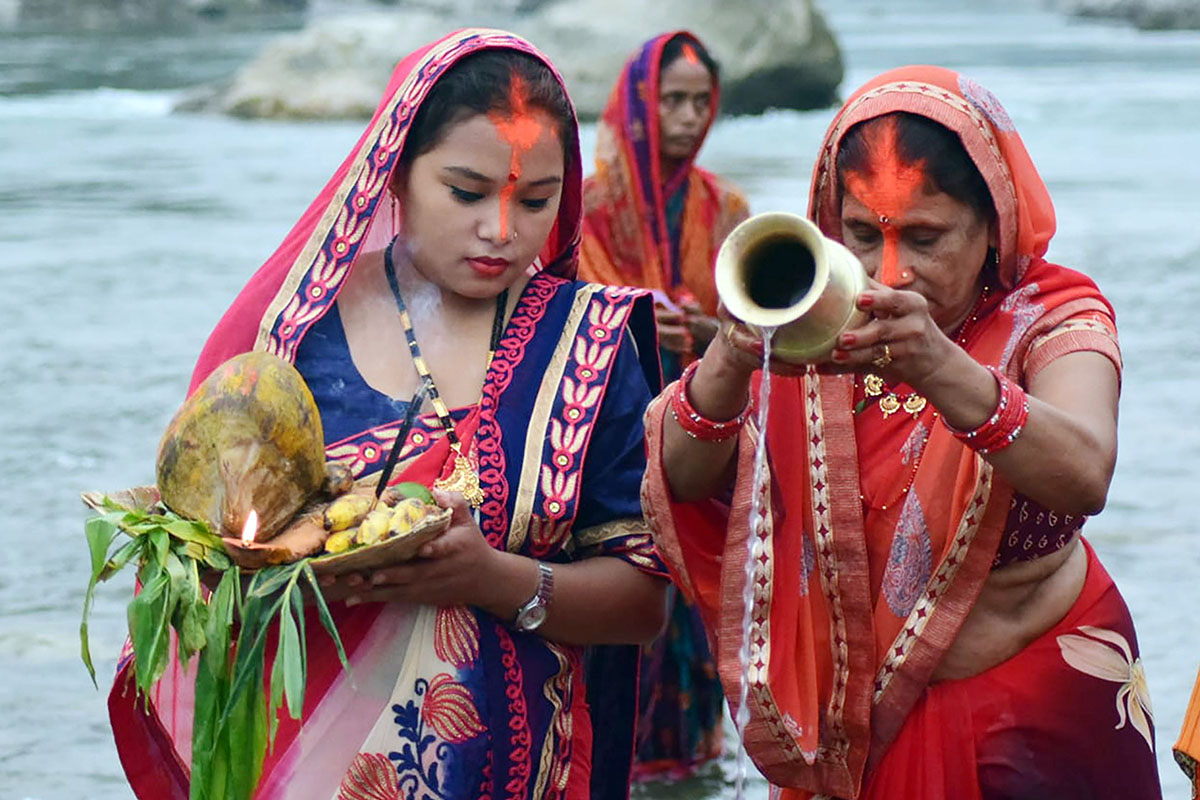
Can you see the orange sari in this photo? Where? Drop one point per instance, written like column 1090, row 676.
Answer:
column 844, row 636
column 1187, row 749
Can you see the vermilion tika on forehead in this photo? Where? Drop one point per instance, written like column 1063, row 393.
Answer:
column 689, row 54
column 889, row 190
column 521, row 130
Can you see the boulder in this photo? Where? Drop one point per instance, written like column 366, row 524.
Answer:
column 105, row 15
column 773, row 53
column 1144, row 14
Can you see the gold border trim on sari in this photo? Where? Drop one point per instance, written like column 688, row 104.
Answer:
column 552, row 768
column 614, row 529
column 939, row 582
column 337, row 214
column 539, row 421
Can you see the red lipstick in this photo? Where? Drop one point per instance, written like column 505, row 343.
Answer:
column 489, row 267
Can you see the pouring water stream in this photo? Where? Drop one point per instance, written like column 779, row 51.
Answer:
column 752, row 541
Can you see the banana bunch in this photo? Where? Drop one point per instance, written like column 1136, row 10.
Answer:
column 352, row 522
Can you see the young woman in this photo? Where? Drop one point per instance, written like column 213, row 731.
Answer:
column 415, row 277
column 654, row 219
column 928, row 621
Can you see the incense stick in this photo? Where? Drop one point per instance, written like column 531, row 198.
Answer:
column 410, row 416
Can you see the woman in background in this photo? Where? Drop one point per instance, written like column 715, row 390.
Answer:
column 655, row 220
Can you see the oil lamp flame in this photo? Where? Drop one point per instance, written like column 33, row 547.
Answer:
column 250, row 529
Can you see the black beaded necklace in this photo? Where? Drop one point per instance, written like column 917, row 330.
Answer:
column 464, row 477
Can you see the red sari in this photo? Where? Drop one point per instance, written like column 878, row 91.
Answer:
column 855, row 606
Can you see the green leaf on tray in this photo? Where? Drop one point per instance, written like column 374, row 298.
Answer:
column 100, row 532
column 234, row 721
column 323, row 611
column 149, row 618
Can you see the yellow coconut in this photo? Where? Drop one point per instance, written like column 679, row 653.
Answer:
column 249, row 437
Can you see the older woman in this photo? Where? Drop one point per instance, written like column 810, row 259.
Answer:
column 927, row 621
column 655, row 220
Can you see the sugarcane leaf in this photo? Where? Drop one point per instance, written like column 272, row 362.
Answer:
column 100, row 532
column 181, row 595
column 267, row 582
column 210, row 752
column 241, row 729
column 176, row 572
column 191, row 531
column 219, row 624
column 251, row 645
column 277, row 684
column 149, row 618
column 216, row 558
column 294, row 668
column 120, row 557
column 247, row 733
column 160, row 542
column 323, row 612
column 298, row 611
column 191, row 631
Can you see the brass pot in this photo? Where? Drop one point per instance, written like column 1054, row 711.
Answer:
column 777, row 270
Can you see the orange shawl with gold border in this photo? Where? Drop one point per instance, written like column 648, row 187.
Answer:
column 833, row 670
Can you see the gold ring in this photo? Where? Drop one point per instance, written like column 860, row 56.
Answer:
column 885, row 359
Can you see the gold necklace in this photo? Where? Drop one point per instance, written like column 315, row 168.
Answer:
column 890, row 401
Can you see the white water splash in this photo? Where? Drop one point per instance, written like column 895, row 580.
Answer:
column 103, row 103
column 756, row 524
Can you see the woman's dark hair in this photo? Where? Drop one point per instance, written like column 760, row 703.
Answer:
column 480, row 83
column 673, row 50
column 947, row 166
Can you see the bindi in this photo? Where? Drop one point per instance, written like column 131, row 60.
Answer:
column 521, row 130
column 889, row 190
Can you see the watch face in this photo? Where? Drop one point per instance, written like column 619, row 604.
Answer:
column 533, row 618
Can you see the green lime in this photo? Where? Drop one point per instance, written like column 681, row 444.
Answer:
column 417, row 490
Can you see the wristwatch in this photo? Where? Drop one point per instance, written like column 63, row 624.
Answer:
column 531, row 615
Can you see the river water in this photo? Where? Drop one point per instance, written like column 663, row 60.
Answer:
column 125, row 231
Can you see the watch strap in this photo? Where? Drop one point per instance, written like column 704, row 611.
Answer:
column 540, row 599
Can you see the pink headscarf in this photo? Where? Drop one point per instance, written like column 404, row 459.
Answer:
column 356, row 212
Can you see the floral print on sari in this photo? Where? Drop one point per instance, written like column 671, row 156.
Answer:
column 1106, row 655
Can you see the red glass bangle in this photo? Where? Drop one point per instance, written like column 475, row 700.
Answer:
column 695, row 424
column 1005, row 424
